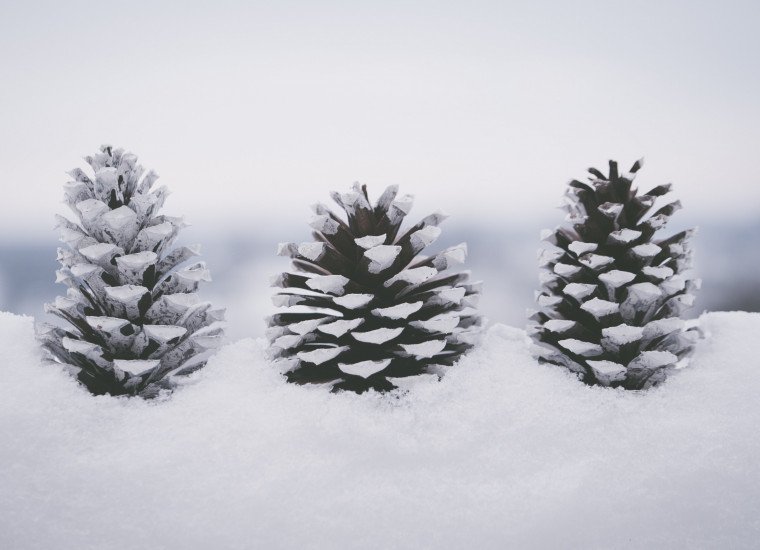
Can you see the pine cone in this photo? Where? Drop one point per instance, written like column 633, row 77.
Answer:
column 368, row 308
column 612, row 294
column 136, row 321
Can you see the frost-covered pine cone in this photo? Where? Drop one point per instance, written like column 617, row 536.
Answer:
column 135, row 320
column 612, row 294
column 366, row 307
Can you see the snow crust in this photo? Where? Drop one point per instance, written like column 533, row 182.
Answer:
column 353, row 301
column 595, row 261
column 616, row 278
column 331, row 284
column 399, row 311
column 501, row 453
column 413, row 276
column 312, row 251
column 425, row 349
column 381, row 257
column 365, row 369
column 378, row 336
column 579, row 247
column 600, row 308
column 370, row 241
column 579, row 290
column 340, row 327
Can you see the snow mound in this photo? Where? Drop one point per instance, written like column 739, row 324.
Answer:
column 502, row 453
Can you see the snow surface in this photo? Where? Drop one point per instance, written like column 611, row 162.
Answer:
column 502, row 453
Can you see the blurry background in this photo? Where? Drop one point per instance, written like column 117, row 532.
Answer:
column 252, row 111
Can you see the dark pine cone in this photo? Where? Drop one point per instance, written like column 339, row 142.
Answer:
column 365, row 307
column 612, row 293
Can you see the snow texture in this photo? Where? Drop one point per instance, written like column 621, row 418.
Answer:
column 502, row 453
column 381, row 257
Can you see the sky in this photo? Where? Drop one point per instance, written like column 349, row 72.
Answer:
column 251, row 111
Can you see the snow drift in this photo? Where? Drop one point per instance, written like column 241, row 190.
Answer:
column 502, row 453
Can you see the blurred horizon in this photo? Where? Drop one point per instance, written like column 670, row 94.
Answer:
column 503, row 256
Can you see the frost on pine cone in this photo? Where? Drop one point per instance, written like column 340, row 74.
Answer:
column 365, row 307
column 612, row 293
column 135, row 320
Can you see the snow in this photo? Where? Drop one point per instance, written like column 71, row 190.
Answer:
column 154, row 234
column 91, row 209
column 640, row 296
column 159, row 333
column 622, row 334
column 595, row 261
column 579, row 247
column 579, row 290
column 449, row 295
column 566, row 270
column 287, row 249
column 559, row 325
column 653, row 360
column 135, row 366
column 381, row 257
column 414, row 276
column 312, row 251
column 616, row 278
column 546, row 300
column 425, row 349
column 456, row 255
column 647, row 250
column 600, row 308
column 365, row 369
column 399, row 311
column 324, row 224
column 125, row 299
column 624, row 236
column 340, row 327
column 378, row 336
column 659, row 327
column 320, row 355
column 673, row 284
column 288, row 341
column 501, row 453
column 123, row 224
column 443, row 322
column 547, row 256
column 353, row 301
column 425, row 236
column 607, row 372
column 610, row 209
column 305, row 327
column 96, row 253
column 579, row 347
column 404, row 204
column 137, row 261
column 660, row 272
column 370, row 241
column 329, row 284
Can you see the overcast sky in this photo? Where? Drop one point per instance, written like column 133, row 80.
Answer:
column 250, row 111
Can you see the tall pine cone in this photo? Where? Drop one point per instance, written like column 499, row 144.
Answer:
column 135, row 319
column 612, row 293
column 367, row 308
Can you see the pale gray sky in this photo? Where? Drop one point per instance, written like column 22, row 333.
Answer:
column 253, row 110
